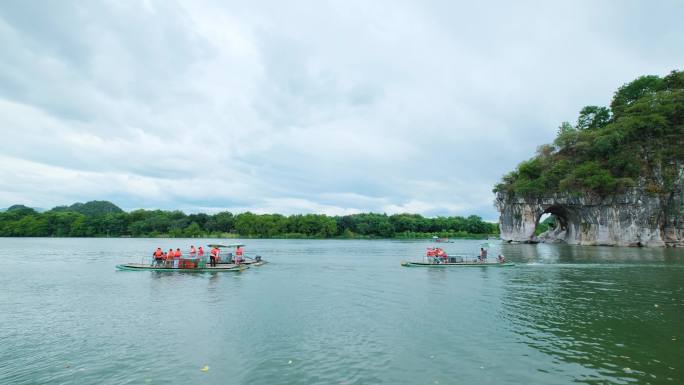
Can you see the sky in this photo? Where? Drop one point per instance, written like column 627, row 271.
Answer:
column 331, row 107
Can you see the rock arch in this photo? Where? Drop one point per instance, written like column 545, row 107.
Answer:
column 564, row 219
column 634, row 218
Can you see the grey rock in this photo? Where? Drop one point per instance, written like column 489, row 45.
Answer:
column 635, row 217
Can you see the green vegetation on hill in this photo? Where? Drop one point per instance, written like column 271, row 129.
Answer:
column 92, row 208
column 104, row 219
column 640, row 136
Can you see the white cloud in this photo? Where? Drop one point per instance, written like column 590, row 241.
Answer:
column 334, row 107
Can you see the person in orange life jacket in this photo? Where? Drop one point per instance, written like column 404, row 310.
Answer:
column 441, row 254
column 238, row 255
column 200, row 254
column 176, row 258
column 169, row 258
column 158, row 256
column 214, row 256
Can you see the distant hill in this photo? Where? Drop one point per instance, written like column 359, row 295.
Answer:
column 92, row 208
column 22, row 207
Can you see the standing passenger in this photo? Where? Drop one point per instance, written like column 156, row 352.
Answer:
column 176, row 258
column 238, row 255
column 193, row 252
column 169, row 258
column 214, row 256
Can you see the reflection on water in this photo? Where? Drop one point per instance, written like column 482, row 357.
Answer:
column 561, row 253
column 613, row 312
column 341, row 312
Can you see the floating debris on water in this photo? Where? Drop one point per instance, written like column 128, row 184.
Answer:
column 205, row 368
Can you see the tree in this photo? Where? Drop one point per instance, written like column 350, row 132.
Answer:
column 632, row 91
column 567, row 135
column 593, row 117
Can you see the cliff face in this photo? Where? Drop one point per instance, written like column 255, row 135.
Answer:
column 634, row 218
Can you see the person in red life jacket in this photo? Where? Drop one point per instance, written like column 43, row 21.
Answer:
column 214, row 256
column 430, row 253
column 176, row 258
column 158, row 256
column 193, row 252
column 200, row 255
column 441, row 254
column 238, row 255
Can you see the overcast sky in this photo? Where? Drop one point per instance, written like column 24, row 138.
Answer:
column 296, row 107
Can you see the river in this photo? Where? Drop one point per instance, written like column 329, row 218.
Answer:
column 340, row 312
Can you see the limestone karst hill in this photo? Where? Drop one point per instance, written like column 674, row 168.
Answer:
column 615, row 177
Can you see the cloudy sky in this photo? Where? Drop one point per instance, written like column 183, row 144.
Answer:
column 296, row 107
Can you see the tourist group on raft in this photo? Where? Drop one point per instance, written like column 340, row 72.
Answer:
column 175, row 259
column 437, row 255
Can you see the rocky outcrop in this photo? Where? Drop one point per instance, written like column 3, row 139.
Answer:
column 634, row 218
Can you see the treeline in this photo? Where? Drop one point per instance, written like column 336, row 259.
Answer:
column 104, row 219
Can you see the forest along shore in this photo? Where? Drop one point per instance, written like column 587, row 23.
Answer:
column 105, row 219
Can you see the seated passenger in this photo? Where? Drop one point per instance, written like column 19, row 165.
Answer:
column 158, row 256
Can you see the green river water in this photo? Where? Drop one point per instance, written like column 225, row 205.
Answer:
column 340, row 312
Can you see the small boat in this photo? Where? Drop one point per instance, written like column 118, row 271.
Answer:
column 198, row 264
column 206, row 269
column 456, row 264
column 441, row 240
column 436, row 257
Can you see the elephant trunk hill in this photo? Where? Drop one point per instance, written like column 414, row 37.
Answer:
column 615, row 178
